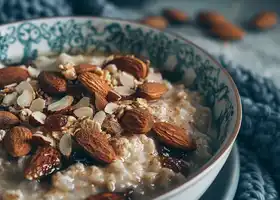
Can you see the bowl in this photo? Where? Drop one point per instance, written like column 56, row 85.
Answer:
column 25, row 40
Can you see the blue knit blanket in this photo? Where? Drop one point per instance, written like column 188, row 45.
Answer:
column 259, row 138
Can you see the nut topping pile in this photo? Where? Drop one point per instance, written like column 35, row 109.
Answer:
column 50, row 116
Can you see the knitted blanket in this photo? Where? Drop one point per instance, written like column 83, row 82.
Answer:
column 259, row 138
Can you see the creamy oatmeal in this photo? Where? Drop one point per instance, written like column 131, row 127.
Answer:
column 86, row 127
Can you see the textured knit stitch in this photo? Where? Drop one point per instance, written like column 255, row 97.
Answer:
column 259, row 138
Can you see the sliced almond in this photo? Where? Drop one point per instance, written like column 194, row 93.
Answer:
column 127, row 80
column 84, row 102
column 65, row 145
column 151, row 91
column 94, row 83
column 33, row 72
column 99, row 117
column 24, row 85
column 39, row 139
column 38, row 105
column 10, row 86
column 10, row 99
column 124, row 91
column 100, row 102
column 37, row 118
column 83, row 112
column 25, row 99
column 111, row 108
column 62, row 104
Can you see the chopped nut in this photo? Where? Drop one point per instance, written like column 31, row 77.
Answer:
column 83, row 112
column 24, row 114
column 38, row 105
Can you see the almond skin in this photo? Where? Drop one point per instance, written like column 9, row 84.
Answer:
column 209, row 18
column 100, row 102
column 81, row 68
column 264, row 20
column 94, row 83
column 7, row 120
column 137, row 121
column 52, row 82
column 158, row 22
column 96, row 145
column 175, row 15
column 11, row 75
column 174, row 136
column 151, row 90
column 17, row 141
column 44, row 162
column 131, row 65
column 227, row 31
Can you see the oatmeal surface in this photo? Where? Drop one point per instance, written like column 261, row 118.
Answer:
column 76, row 126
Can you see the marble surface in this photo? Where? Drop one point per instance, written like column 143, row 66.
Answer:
column 258, row 51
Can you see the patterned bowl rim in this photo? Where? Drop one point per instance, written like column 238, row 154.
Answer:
column 230, row 139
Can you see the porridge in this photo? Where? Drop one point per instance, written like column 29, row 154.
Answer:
column 97, row 127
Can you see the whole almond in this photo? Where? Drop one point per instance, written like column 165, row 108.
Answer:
column 17, row 141
column 158, row 22
column 227, row 31
column 264, row 20
column 96, row 145
column 174, row 136
column 81, row 68
column 151, row 90
column 11, row 75
column 175, row 15
column 44, row 162
column 52, row 82
column 94, row 83
column 210, row 18
column 7, row 120
column 100, row 102
column 137, row 121
column 131, row 65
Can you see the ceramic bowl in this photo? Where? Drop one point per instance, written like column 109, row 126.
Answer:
column 28, row 39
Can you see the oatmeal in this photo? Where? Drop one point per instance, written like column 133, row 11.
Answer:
column 85, row 127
